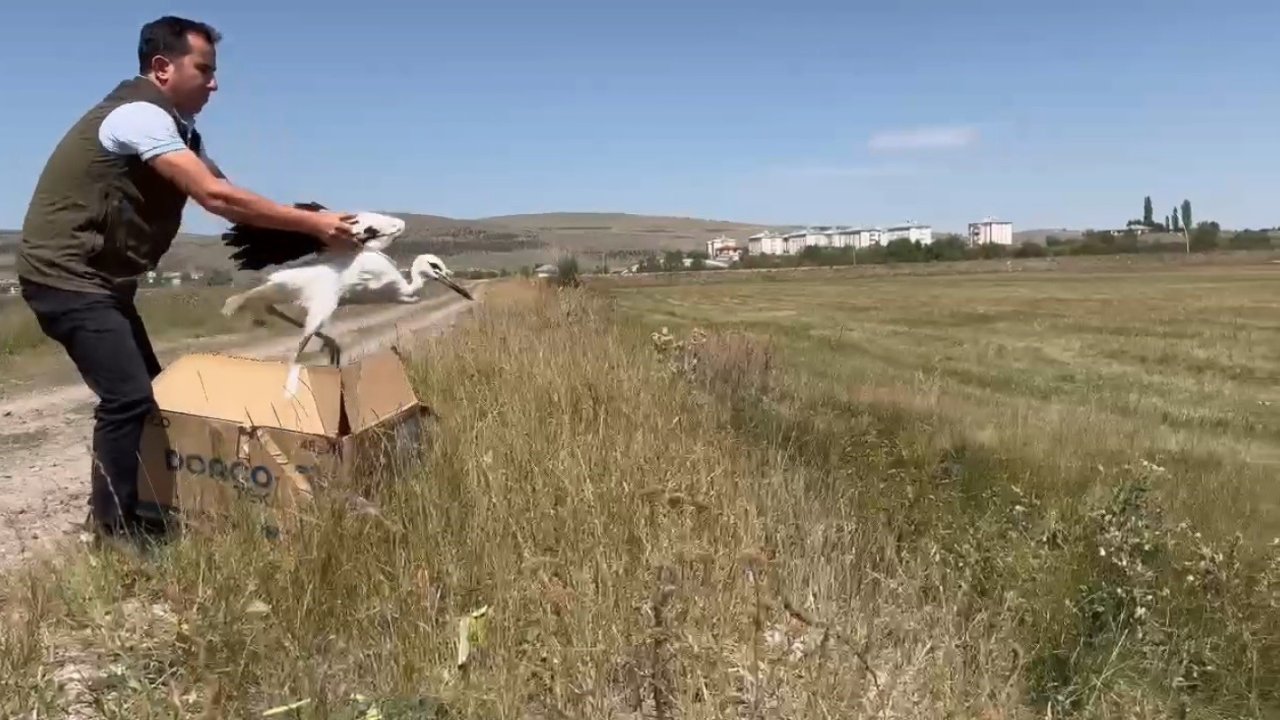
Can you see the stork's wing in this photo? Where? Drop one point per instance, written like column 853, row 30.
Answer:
column 259, row 247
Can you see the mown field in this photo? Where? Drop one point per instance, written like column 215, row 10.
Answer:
column 997, row 496
column 1102, row 445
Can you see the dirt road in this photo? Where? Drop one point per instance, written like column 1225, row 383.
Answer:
column 45, row 434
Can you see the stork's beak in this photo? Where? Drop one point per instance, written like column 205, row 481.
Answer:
column 456, row 287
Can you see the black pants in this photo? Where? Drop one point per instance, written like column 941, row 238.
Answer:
column 108, row 343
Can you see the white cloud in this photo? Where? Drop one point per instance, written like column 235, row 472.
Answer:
column 925, row 138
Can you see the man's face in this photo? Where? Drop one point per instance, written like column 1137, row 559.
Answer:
column 189, row 80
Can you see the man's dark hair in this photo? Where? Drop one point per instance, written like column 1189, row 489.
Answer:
column 167, row 36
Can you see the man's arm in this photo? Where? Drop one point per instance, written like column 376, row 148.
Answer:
column 215, row 194
column 145, row 130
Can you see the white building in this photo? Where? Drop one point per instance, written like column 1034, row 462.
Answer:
column 767, row 243
column 838, row 237
column 724, row 248
column 817, row 236
column 910, row 231
column 990, row 230
column 822, row 236
column 794, row 242
column 864, row 237
column 775, row 244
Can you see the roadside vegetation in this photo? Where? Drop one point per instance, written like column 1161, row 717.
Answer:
column 985, row 497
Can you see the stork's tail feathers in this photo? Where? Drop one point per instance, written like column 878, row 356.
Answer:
column 291, row 382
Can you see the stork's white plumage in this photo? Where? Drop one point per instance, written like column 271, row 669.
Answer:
column 322, row 284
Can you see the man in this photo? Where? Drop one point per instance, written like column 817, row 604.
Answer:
column 105, row 209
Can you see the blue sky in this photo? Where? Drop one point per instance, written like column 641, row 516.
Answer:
column 1046, row 114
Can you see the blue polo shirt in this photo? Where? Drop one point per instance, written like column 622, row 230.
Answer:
column 146, row 130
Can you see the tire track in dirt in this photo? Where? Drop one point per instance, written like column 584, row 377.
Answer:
column 45, row 434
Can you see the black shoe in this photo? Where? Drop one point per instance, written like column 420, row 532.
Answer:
column 134, row 539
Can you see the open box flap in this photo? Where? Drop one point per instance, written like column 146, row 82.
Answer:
column 374, row 389
column 251, row 392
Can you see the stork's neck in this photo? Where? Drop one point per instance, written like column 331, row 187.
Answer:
column 417, row 279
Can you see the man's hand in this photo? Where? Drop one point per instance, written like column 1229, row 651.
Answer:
column 334, row 230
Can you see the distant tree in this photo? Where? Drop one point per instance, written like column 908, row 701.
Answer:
column 673, row 260
column 1250, row 240
column 990, row 251
column 902, row 250
column 1148, row 212
column 1186, row 214
column 1029, row 249
column 811, row 255
column 567, row 271
column 219, row 278
column 1205, row 236
column 650, row 263
column 947, row 247
column 1175, row 225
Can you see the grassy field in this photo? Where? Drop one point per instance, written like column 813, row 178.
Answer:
column 1010, row 496
column 169, row 313
column 1104, row 440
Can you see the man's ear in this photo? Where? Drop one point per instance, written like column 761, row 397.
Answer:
column 161, row 67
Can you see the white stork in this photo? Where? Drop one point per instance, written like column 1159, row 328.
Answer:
column 329, row 279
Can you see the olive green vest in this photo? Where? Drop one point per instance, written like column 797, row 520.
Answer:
column 96, row 220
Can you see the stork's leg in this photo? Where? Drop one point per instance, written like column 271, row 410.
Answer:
column 297, row 357
column 335, row 352
column 295, row 368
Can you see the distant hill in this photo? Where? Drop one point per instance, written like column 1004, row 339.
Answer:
column 508, row 240
column 514, row 240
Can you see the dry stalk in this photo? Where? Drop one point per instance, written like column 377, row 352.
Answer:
column 659, row 672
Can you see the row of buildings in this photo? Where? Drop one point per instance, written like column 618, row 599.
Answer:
column 983, row 232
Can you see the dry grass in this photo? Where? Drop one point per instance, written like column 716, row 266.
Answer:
column 172, row 316
column 692, row 525
column 169, row 313
column 19, row 332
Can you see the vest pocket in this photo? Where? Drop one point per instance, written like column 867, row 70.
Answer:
column 123, row 249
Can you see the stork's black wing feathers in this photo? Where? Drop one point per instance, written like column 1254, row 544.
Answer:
column 259, row 247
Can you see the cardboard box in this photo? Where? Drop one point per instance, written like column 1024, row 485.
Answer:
column 226, row 432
